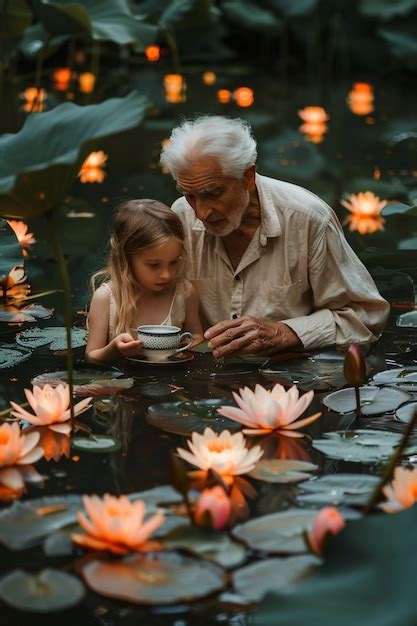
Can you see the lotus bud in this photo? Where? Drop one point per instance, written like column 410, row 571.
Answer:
column 355, row 366
column 213, row 504
column 328, row 520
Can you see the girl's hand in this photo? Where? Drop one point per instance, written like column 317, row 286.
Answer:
column 126, row 345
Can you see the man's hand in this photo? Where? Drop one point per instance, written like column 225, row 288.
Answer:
column 126, row 345
column 250, row 335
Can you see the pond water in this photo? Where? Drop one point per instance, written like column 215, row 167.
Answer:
column 358, row 153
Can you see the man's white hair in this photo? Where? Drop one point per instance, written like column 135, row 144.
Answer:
column 227, row 140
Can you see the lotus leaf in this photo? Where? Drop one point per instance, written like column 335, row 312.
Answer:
column 88, row 382
column 404, row 378
column 277, row 533
column 96, row 443
column 155, row 578
column 282, row 471
column 399, row 208
column 361, row 446
column 249, row 15
column 162, row 495
column 55, row 336
column 11, row 355
column 405, row 413
column 293, row 9
column 402, row 42
column 50, row 590
column 373, row 400
column 255, row 580
column 303, row 159
column 36, row 180
column 184, row 418
column 386, row 9
column 30, row 313
column 351, row 489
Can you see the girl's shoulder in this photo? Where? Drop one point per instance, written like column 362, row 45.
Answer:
column 103, row 293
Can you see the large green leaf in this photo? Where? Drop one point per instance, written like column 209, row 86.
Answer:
column 402, row 41
column 291, row 157
column 99, row 19
column 39, row 163
column 292, row 9
column 249, row 15
column 386, row 9
column 367, row 579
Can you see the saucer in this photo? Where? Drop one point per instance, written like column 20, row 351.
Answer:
column 181, row 357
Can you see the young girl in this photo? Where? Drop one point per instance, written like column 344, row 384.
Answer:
column 142, row 282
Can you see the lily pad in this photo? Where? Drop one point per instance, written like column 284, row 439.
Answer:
column 361, row 446
column 158, row 496
column 183, row 418
column 50, row 590
column 352, row 489
column 321, row 371
column 282, row 471
column 11, row 355
column 403, row 377
column 26, row 524
column 12, row 314
column 88, row 382
column 277, row 533
column 373, row 400
column 408, row 320
column 215, row 546
column 96, row 443
column 55, row 336
column 255, row 580
column 154, row 578
column 405, row 413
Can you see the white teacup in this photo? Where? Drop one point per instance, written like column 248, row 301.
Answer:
column 161, row 342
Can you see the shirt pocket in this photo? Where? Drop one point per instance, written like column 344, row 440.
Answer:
column 278, row 302
column 208, row 297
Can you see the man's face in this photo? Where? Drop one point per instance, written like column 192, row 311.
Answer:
column 218, row 201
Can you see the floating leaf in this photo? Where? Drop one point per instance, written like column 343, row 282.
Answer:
column 352, row 489
column 278, row 532
column 408, row 320
column 158, row 496
column 386, row 9
column 255, row 580
column 374, row 400
column 55, row 336
column 360, row 446
column 282, row 471
column 154, row 578
column 11, row 355
column 405, row 413
column 318, row 371
column 88, row 382
column 184, row 418
column 96, row 443
column 404, row 378
column 50, row 590
column 13, row 314
column 215, row 546
column 26, row 524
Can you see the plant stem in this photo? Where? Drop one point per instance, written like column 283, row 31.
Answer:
column 390, row 466
column 63, row 270
column 358, row 402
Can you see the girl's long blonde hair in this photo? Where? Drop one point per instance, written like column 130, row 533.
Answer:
column 137, row 224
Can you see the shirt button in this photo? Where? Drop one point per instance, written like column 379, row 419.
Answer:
column 263, row 240
column 235, row 316
column 237, row 277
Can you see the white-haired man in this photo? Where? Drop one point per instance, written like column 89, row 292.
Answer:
column 269, row 259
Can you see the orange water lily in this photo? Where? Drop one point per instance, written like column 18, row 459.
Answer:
column 327, row 521
column 225, row 453
column 16, row 449
column 13, row 286
column 51, row 407
column 91, row 170
column 402, row 493
column 265, row 411
column 116, row 524
column 314, row 127
column 21, row 231
column 365, row 208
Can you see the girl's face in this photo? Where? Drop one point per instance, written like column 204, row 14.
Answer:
column 156, row 267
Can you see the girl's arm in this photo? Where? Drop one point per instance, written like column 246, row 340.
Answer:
column 99, row 349
column 192, row 318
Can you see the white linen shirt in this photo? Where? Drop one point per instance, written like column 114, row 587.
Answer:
column 298, row 268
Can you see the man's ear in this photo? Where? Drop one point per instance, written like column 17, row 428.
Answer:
column 249, row 177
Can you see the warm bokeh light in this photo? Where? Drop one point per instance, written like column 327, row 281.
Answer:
column 153, row 53
column 361, row 99
column 244, row 97
column 224, row 96
column 86, row 82
column 314, row 127
column 62, row 78
column 35, row 100
column 174, row 86
column 209, row 78
column 91, row 170
column 365, row 208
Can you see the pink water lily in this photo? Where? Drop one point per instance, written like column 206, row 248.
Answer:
column 264, row 411
column 225, row 453
column 51, row 407
column 17, row 449
column 402, row 493
column 327, row 521
column 116, row 524
column 217, row 503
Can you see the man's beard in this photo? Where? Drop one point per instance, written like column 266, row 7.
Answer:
column 233, row 221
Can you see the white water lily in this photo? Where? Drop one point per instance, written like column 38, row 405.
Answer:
column 264, row 411
column 51, row 407
column 224, row 453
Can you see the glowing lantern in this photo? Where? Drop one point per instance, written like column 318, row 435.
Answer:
column 224, row 96
column 34, row 100
column 91, row 170
column 153, row 53
column 209, row 78
column 244, row 97
column 361, row 99
column 62, row 78
column 365, row 211
column 86, row 82
column 174, row 85
column 314, row 127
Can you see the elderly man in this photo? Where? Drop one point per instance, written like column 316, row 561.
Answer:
column 269, row 259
